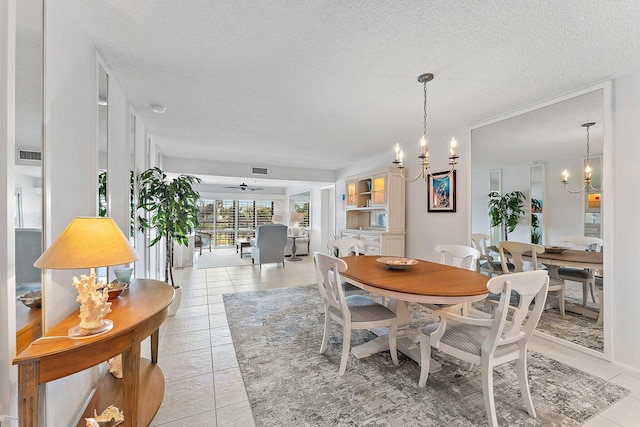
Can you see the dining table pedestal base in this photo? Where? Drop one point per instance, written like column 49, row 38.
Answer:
column 406, row 343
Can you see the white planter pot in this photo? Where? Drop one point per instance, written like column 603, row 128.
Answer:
column 175, row 304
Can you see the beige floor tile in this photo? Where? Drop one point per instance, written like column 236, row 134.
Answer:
column 216, row 308
column 186, row 364
column 229, row 387
column 221, row 291
column 236, row 415
column 224, row 357
column 626, row 412
column 628, row 382
column 179, row 399
column 206, row 419
column 176, row 325
column 600, row 421
column 218, row 320
column 188, row 341
column 192, row 311
column 188, row 302
column 220, row 336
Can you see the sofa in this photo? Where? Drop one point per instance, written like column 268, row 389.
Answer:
column 302, row 243
column 269, row 243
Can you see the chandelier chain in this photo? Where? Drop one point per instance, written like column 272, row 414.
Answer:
column 424, row 107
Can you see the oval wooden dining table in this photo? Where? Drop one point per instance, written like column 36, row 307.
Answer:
column 425, row 282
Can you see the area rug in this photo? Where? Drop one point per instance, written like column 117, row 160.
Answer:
column 221, row 258
column 277, row 336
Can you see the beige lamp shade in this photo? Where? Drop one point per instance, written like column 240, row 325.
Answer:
column 88, row 242
column 276, row 219
column 297, row 217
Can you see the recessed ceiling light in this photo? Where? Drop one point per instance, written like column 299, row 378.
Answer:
column 157, row 108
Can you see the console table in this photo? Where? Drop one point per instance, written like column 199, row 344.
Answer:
column 136, row 314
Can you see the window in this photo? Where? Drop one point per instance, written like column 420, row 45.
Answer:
column 301, row 203
column 229, row 220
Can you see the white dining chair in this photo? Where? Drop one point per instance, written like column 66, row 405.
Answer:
column 344, row 247
column 460, row 256
column 581, row 275
column 515, row 252
column 351, row 312
column 486, row 263
column 489, row 342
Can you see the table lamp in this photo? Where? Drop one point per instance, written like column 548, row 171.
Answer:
column 89, row 242
column 296, row 218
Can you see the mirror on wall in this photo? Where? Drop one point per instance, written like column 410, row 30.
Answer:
column 531, row 150
column 103, row 146
column 28, row 164
column 103, row 139
column 132, row 179
column 536, row 203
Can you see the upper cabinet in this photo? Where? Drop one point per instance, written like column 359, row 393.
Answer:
column 375, row 211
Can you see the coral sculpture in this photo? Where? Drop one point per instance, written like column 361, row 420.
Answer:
column 93, row 303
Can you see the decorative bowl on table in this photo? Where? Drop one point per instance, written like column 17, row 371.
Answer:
column 32, row 299
column 397, row 263
column 555, row 249
column 115, row 288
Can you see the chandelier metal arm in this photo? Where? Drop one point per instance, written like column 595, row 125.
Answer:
column 425, row 171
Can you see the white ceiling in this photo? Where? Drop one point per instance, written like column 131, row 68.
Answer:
column 321, row 84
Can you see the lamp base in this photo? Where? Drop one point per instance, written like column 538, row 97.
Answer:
column 77, row 332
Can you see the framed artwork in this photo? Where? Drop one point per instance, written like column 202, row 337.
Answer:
column 441, row 192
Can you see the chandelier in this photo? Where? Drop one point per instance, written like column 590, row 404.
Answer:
column 424, row 153
column 587, row 169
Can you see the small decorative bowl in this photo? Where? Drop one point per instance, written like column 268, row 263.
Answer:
column 555, row 249
column 32, row 299
column 115, row 288
column 397, row 263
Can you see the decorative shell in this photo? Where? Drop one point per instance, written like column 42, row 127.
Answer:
column 115, row 366
column 111, row 415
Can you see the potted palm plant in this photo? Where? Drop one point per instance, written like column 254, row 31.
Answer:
column 505, row 210
column 170, row 208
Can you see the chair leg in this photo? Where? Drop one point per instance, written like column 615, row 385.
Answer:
column 523, row 380
column 487, row 392
column 425, row 359
column 601, row 304
column 327, row 331
column 561, row 300
column 393, row 334
column 585, row 293
column 346, row 346
column 592, row 284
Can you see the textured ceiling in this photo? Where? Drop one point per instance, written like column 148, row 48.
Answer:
column 321, row 84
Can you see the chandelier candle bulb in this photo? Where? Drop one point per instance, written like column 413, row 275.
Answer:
column 565, row 176
column 454, row 147
column 397, row 150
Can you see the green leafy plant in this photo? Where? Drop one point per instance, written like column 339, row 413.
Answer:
column 536, row 230
column 505, row 210
column 172, row 210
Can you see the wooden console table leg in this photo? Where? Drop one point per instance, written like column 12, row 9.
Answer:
column 154, row 345
column 130, row 376
column 28, row 394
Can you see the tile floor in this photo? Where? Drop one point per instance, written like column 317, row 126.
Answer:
column 204, row 386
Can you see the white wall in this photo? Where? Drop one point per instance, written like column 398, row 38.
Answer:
column 8, row 373
column 622, row 302
column 31, row 200
column 70, row 162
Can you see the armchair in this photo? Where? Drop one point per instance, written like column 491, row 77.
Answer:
column 268, row 245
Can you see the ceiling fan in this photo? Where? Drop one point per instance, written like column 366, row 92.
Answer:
column 244, row 187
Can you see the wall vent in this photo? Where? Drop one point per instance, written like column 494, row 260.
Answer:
column 259, row 171
column 28, row 157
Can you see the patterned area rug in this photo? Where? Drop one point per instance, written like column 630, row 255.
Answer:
column 277, row 336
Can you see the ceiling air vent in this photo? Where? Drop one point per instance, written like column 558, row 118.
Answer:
column 28, row 157
column 259, row 171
